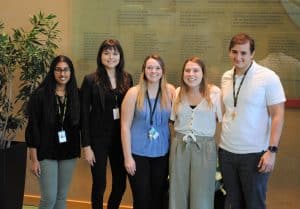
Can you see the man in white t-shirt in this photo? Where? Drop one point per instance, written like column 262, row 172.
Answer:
column 254, row 99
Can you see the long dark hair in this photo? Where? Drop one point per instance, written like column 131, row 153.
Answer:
column 49, row 84
column 122, row 77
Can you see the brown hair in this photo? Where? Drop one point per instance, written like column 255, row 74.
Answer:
column 203, row 88
column 242, row 38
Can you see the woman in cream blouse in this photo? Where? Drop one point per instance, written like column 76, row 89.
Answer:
column 195, row 112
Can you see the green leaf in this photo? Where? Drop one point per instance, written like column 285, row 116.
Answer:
column 30, row 51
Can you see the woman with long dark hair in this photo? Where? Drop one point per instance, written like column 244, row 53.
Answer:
column 102, row 93
column 52, row 133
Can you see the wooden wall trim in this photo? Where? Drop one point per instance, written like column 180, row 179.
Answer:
column 71, row 204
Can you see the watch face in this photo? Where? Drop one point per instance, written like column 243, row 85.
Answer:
column 273, row 149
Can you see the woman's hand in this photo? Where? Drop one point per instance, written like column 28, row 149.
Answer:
column 35, row 164
column 36, row 168
column 130, row 166
column 89, row 155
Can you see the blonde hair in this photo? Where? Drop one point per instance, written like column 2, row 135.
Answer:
column 204, row 87
column 165, row 98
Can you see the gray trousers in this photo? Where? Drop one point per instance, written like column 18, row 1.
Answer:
column 55, row 179
column 192, row 172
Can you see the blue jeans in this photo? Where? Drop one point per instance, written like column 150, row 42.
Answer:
column 55, row 179
column 245, row 186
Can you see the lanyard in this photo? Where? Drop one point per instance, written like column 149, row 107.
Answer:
column 116, row 100
column 235, row 96
column 154, row 107
column 61, row 111
column 115, row 94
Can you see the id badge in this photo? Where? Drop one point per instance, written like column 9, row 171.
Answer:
column 153, row 134
column 62, row 138
column 116, row 113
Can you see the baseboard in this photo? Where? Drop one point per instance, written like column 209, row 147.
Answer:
column 71, row 204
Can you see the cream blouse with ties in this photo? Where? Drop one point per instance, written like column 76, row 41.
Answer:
column 201, row 120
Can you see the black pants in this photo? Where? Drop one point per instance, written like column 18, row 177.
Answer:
column 246, row 187
column 148, row 185
column 108, row 148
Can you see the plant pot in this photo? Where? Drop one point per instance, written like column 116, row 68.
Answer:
column 12, row 175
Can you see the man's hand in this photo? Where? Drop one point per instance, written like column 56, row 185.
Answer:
column 267, row 162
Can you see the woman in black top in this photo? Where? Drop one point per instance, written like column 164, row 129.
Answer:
column 102, row 93
column 52, row 133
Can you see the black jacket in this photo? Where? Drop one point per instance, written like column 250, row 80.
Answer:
column 42, row 132
column 92, row 108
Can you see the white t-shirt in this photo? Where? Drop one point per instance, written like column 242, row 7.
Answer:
column 249, row 131
column 202, row 119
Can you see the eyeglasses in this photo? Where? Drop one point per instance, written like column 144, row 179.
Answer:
column 62, row 70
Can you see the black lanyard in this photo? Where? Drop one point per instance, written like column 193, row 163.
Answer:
column 61, row 111
column 116, row 99
column 115, row 95
column 154, row 107
column 235, row 96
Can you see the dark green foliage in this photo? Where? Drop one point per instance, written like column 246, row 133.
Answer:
column 30, row 52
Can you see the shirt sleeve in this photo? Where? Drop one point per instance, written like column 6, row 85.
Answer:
column 274, row 90
column 218, row 104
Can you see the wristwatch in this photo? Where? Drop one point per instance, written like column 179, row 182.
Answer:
column 273, row 149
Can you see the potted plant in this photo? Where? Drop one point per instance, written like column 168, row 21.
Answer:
column 30, row 53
